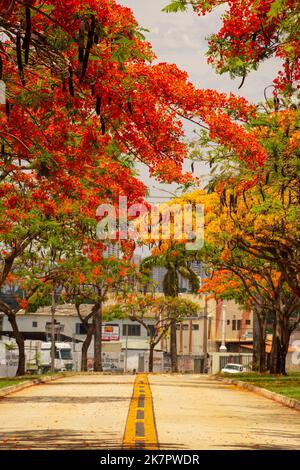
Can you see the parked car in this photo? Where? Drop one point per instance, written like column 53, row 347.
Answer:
column 233, row 369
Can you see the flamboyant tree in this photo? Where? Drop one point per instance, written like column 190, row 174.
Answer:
column 161, row 312
column 50, row 218
column 84, row 100
column 93, row 282
column 225, row 285
column 78, row 61
column 232, row 221
column 252, row 31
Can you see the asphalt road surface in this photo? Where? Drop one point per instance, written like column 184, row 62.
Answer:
column 159, row 411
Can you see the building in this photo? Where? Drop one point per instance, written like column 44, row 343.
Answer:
column 238, row 330
column 120, row 336
column 126, row 343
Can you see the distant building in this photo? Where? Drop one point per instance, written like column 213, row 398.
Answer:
column 130, row 340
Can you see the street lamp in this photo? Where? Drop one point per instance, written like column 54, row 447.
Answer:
column 223, row 345
column 206, row 326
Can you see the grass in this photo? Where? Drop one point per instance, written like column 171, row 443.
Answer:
column 10, row 381
column 288, row 386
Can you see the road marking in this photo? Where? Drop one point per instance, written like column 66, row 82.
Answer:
column 140, row 430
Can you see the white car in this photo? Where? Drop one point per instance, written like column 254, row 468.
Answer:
column 233, row 369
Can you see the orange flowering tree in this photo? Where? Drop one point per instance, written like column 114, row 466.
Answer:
column 160, row 311
column 236, row 221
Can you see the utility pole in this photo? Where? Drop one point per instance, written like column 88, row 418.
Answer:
column 126, row 348
column 53, row 310
column 223, row 345
column 205, row 334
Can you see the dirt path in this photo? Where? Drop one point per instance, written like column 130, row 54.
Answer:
column 194, row 412
column 79, row 412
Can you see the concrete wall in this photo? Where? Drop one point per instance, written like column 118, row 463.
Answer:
column 216, row 357
column 233, row 312
column 8, row 361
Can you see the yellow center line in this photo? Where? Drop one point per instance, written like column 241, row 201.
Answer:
column 140, row 430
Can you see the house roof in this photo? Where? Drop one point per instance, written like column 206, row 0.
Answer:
column 61, row 310
column 39, row 336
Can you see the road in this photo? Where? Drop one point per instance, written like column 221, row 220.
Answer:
column 206, row 414
column 158, row 411
column 78, row 412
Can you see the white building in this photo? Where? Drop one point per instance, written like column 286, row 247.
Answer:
column 122, row 336
column 126, row 343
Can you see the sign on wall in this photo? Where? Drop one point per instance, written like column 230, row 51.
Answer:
column 110, row 333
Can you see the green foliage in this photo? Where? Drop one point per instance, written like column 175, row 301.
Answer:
column 175, row 6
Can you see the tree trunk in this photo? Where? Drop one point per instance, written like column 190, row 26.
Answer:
column 173, row 347
column 20, row 342
column 151, row 356
column 259, row 353
column 97, row 320
column 274, row 350
column 280, row 344
column 85, row 346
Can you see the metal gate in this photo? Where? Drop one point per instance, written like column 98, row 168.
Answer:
column 242, row 359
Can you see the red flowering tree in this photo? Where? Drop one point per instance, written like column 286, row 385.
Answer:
column 252, row 31
column 72, row 62
column 83, row 102
column 88, row 281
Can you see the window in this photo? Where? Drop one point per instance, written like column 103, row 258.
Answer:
column 34, row 324
column 79, row 329
column 183, row 326
column 236, row 325
column 228, row 322
column 132, row 330
column 66, row 354
column 195, row 327
column 248, row 322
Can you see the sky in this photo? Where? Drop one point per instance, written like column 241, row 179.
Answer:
column 180, row 38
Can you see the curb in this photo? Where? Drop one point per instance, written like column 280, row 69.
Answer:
column 27, row 384
column 286, row 401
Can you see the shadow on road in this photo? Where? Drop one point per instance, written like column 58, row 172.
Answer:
column 65, row 439
column 84, row 384
column 61, row 439
column 62, row 399
column 256, row 447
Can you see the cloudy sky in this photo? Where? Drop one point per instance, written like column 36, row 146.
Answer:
column 181, row 38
